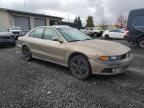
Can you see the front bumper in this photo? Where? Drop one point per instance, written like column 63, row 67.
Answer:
column 110, row 67
column 6, row 42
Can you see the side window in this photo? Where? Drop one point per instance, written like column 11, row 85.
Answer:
column 121, row 31
column 38, row 33
column 112, row 30
column 32, row 33
column 50, row 33
column 118, row 31
column 138, row 21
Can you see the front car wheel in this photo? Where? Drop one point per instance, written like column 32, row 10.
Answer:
column 80, row 67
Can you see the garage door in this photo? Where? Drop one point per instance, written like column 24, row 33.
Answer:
column 23, row 22
column 39, row 22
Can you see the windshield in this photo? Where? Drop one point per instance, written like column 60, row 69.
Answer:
column 15, row 28
column 3, row 29
column 71, row 34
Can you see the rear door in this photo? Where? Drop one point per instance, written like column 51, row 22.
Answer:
column 112, row 33
column 35, row 41
column 119, row 34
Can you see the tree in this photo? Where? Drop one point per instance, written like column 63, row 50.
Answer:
column 77, row 23
column 121, row 21
column 90, row 22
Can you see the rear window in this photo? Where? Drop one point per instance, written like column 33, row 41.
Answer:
column 112, row 31
column 138, row 21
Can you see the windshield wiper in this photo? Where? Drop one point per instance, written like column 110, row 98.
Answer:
column 74, row 40
column 86, row 39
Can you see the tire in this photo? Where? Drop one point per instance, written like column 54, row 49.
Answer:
column 27, row 55
column 80, row 67
column 107, row 37
column 141, row 43
column 13, row 44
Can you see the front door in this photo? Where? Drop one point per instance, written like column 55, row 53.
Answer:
column 53, row 50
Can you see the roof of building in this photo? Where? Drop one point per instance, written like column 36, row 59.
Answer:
column 31, row 13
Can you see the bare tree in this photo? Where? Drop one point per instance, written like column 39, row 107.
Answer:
column 121, row 21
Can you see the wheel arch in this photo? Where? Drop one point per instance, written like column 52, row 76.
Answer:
column 74, row 54
column 23, row 45
column 141, row 37
column 107, row 35
column 26, row 46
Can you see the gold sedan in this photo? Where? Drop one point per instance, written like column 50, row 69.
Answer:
column 71, row 48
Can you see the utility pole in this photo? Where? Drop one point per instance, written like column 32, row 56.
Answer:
column 25, row 6
column 68, row 16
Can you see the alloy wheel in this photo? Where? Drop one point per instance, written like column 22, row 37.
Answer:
column 141, row 44
column 79, row 67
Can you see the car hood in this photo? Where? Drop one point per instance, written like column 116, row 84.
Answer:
column 2, row 34
column 102, row 47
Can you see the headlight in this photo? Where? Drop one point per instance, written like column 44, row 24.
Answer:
column 104, row 58
column 108, row 58
column 113, row 58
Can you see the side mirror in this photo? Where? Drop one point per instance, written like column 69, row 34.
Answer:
column 57, row 39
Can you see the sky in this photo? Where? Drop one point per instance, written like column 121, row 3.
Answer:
column 99, row 9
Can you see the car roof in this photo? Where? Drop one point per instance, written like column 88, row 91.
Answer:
column 61, row 26
column 138, row 10
column 56, row 26
column 116, row 29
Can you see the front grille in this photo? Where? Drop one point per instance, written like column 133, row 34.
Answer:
column 6, row 37
column 107, row 70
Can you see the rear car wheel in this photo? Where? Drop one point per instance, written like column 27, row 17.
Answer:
column 80, row 67
column 141, row 43
column 95, row 34
column 27, row 55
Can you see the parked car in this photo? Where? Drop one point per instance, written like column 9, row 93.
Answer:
column 115, row 33
column 135, row 27
column 71, row 48
column 6, row 37
column 16, row 30
column 92, row 31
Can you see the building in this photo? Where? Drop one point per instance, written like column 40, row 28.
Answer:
column 105, row 27
column 26, row 20
column 68, row 24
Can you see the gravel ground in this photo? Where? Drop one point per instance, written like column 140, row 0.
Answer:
column 40, row 84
